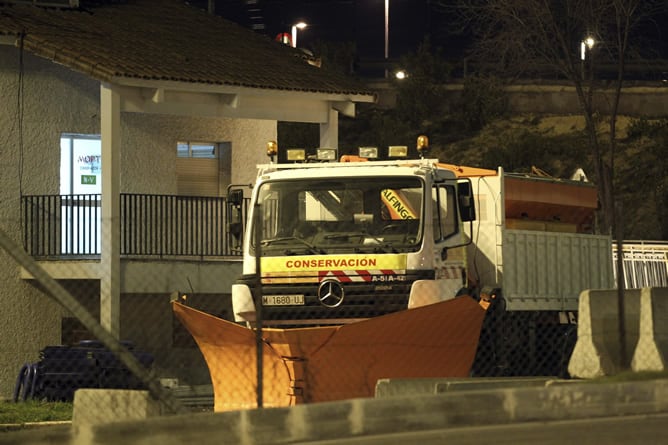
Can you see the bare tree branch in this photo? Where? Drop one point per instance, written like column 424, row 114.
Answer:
column 545, row 37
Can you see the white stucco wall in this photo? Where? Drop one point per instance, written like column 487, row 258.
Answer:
column 55, row 100
column 29, row 160
column 149, row 147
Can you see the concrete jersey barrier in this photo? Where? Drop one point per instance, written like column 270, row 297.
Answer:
column 597, row 351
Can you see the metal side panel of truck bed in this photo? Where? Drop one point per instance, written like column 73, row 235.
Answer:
column 548, row 270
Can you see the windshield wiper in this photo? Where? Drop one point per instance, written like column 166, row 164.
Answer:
column 346, row 235
column 377, row 248
column 311, row 248
column 378, row 245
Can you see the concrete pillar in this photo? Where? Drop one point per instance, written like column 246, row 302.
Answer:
column 597, row 350
column 110, row 260
column 651, row 352
column 329, row 131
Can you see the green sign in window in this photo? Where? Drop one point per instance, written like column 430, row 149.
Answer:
column 88, row 179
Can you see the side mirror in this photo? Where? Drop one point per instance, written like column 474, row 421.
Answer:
column 235, row 197
column 235, row 226
column 466, row 201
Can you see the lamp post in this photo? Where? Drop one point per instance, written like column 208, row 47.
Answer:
column 295, row 27
column 585, row 45
column 387, row 33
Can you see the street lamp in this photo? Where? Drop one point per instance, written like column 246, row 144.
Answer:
column 585, row 45
column 400, row 74
column 295, row 27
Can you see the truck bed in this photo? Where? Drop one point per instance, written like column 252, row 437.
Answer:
column 533, row 240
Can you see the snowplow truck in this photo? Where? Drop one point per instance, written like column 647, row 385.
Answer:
column 337, row 241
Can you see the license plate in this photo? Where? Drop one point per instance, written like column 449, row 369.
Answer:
column 282, row 300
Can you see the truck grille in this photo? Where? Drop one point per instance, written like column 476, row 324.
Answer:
column 360, row 300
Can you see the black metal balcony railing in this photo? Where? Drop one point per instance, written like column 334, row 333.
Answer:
column 151, row 225
column 57, row 225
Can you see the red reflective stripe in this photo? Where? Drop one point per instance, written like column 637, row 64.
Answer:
column 347, row 276
column 364, row 274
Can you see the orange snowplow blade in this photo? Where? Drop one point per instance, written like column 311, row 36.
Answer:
column 318, row 364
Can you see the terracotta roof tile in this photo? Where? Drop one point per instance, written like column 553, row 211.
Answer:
column 166, row 40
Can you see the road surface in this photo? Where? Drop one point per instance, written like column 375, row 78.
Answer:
column 645, row 429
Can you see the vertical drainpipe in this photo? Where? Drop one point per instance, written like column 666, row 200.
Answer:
column 110, row 261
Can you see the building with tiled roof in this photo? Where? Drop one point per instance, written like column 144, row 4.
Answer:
column 168, row 41
column 123, row 124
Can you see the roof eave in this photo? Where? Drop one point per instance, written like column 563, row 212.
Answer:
column 197, row 87
column 174, row 97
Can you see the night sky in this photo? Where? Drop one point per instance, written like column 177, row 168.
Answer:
column 363, row 22
column 359, row 21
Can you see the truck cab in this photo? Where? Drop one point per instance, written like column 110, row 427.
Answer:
column 337, row 242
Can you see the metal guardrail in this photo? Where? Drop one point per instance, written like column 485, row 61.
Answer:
column 67, row 226
column 645, row 263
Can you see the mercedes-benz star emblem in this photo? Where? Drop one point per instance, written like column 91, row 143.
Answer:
column 330, row 293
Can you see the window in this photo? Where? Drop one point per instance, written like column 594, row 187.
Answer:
column 445, row 221
column 80, row 164
column 202, row 168
column 205, row 150
column 340, row 215
column 81, row 186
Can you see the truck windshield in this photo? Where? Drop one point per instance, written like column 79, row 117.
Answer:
column 380, row 214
